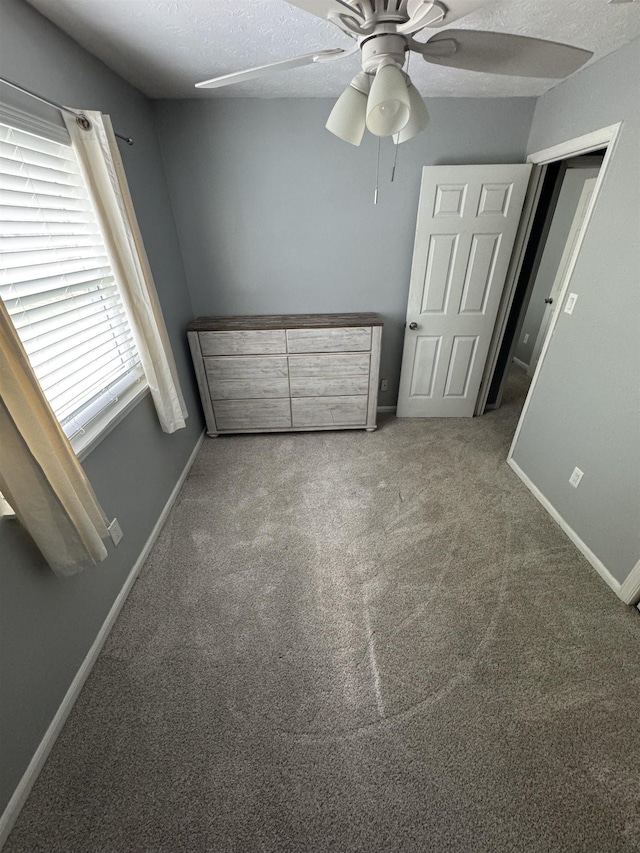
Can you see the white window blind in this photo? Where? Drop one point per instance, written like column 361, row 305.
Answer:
column 57, row 282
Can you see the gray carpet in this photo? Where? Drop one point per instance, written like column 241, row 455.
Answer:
column 355, row 642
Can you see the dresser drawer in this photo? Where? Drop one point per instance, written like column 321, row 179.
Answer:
column 355, row 339
column 243, row 342
column 252, row 414
column 314, row 366
column 330, row 386
column 328, row 411
column 242, row 377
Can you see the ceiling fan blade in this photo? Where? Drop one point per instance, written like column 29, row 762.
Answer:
column 422, row 13
column 503, row 53
column 281, row 65
column 323, row 8
column 454, row 9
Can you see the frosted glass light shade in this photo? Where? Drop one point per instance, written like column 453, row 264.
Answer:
column 388, row 104
column 347, row 118
column 418, row 119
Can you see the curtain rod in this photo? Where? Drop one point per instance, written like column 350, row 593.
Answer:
column 51, row 103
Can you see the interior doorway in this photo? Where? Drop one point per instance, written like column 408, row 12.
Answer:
column 542, row 261
column 575, row 194
column 561, row 212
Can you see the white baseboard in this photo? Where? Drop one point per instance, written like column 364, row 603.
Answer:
column 520, row 363
column 630, row 589
column 597, row 564
column 36, row 764
column 386, row 408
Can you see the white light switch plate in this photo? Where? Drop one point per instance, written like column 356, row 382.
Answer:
column 575, row 478
column 571, row 303
column 115, row 531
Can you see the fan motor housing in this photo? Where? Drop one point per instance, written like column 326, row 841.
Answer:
column 382, row 49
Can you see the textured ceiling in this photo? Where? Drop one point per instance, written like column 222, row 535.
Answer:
column 163, row 47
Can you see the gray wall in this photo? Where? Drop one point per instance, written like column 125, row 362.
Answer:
column 275, row 214
column 48, row 624
column 585, row 409
column 568, row 199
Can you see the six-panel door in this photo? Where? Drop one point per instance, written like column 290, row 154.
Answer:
column 467, row 221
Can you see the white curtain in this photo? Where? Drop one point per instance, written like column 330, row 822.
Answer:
column 98, row 153
column 40, row 474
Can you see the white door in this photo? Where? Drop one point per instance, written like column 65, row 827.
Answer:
column 467, row 222
column 567, row 254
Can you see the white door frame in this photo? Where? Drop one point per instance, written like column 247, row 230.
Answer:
column 628, row 590
column 604, row 137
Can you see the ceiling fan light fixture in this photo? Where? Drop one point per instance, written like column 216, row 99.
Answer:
column 388, row 105
column 347, row 119
column 418, row 118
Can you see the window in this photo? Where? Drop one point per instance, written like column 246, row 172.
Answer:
column 59, row 287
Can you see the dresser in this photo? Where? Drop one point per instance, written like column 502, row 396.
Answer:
column 287, row 372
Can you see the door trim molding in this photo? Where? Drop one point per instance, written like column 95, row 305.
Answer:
column 26, row 783
column 580, row 145
column 630, row 589
column 605, row 136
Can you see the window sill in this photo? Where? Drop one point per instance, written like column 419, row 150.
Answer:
column 94, row 433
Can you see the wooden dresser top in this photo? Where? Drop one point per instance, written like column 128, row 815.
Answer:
column 282, row 321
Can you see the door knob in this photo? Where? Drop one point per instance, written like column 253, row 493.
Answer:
column 548, row 301
column 413, row 326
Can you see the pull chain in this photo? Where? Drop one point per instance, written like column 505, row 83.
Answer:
column 375, row 194
column 395, row 154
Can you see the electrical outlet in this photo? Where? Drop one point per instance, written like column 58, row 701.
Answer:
column 115, row 531
column 571, row 303
column 575, row 478
column 525, row 340
column 384, row 384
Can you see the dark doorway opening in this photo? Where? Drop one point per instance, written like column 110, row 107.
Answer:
column 543, row 220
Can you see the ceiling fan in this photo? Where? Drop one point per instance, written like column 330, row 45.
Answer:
column 381, row 97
